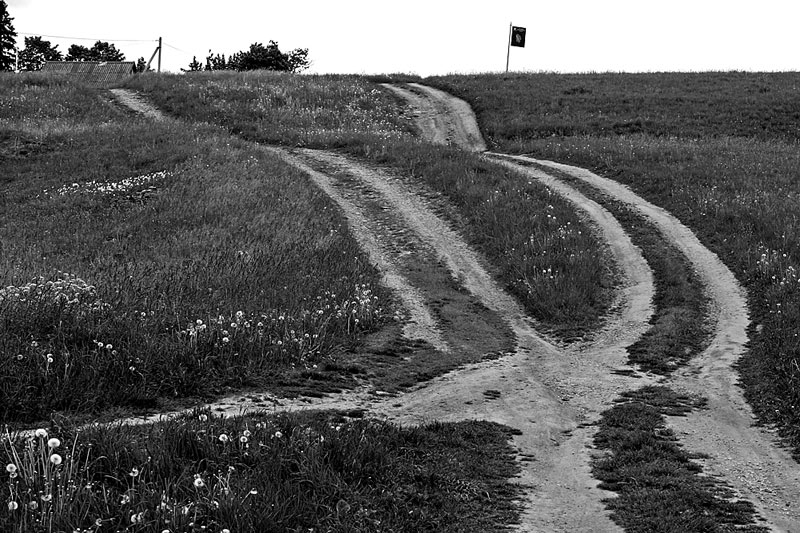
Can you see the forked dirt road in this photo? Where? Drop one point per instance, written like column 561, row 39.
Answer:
column 546, row 392
column 743, row 455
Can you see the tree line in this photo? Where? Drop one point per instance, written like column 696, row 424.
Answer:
column 257, row 57
column 38, row 50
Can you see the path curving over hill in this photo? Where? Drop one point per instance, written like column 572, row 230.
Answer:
column 746, row 457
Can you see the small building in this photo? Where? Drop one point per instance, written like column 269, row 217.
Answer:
column 92, row 72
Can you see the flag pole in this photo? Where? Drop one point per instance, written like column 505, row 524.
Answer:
column 508, row 48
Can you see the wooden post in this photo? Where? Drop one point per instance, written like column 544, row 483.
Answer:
column 508, row 50
column 159, row 54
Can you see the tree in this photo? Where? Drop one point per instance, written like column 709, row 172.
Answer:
column 270, row 57
column 77, row 52
column 8, row 38
column 36, row 52
column 100, row 51
column 194, row 66
column 141, row 65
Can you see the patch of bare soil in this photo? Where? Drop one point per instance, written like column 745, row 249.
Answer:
column 136, row 103
column 442, row 119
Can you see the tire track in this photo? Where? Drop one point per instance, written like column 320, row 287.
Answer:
column 549, row 394
column 747, row 458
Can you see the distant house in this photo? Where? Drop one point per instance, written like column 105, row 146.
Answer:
column 92, row 72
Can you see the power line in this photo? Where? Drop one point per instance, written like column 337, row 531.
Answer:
column 88, row 38
column 175, row 48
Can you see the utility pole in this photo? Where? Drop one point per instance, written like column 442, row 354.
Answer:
column 159, row 54
column 508, row 48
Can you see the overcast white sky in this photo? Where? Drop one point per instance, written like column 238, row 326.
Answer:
column 439, row 36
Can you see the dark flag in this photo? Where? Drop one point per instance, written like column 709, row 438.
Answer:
column 518, row 36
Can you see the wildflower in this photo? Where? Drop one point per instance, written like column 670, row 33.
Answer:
column 13, row 506
column 126, row 499
column 277, row 435
column 203, row 418
column 199, row 483
column 225, row 340
column 54, row 443
column 55, row 459
column 109, row 346
column 11, row 468
column 47, row 497
column 243, row 439
column 225, row 530
column 41, row 433
column 134, row 472
column 20, row 357
column 33, row 505
column 253, row 492
column 223, row 438
column 246, row 433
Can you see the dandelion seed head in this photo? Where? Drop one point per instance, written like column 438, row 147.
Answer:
column 41, row 433
column 54, row 443
column 13, row 506
column 56, row 459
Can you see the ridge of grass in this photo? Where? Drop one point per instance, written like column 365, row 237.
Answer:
column 657, row 483
column 659, row 487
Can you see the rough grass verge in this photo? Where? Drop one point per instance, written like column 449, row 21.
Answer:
column 261, row 472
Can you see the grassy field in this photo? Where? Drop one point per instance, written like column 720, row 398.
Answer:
column 145, row 261
column 144, row 264
column 260, row 473
column 539, row 248
column 718, row 150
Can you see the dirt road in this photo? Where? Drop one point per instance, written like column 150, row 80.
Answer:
column 546, row 392
column 744, row 456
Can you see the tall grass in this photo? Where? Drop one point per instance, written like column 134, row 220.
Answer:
column 143, row 261
column 259, row 473
column 541, row 250
column 719, row 150
column 313, row 111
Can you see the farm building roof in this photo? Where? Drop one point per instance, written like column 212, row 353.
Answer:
column 93, row 72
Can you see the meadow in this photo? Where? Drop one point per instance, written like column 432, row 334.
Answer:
column 539, row 248
column 718, row 150
column 147, row 265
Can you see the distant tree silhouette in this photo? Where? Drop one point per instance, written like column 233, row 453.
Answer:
column 36, row 52
column 257, row 57
column 8, row 38
column 100, row 51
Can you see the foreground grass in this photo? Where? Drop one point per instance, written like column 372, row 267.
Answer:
column 142, row 262
column 260, row 473
column 540, row 249
column 718, row 150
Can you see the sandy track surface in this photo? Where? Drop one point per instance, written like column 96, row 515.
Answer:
column 441, row 118
column 135, row 102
